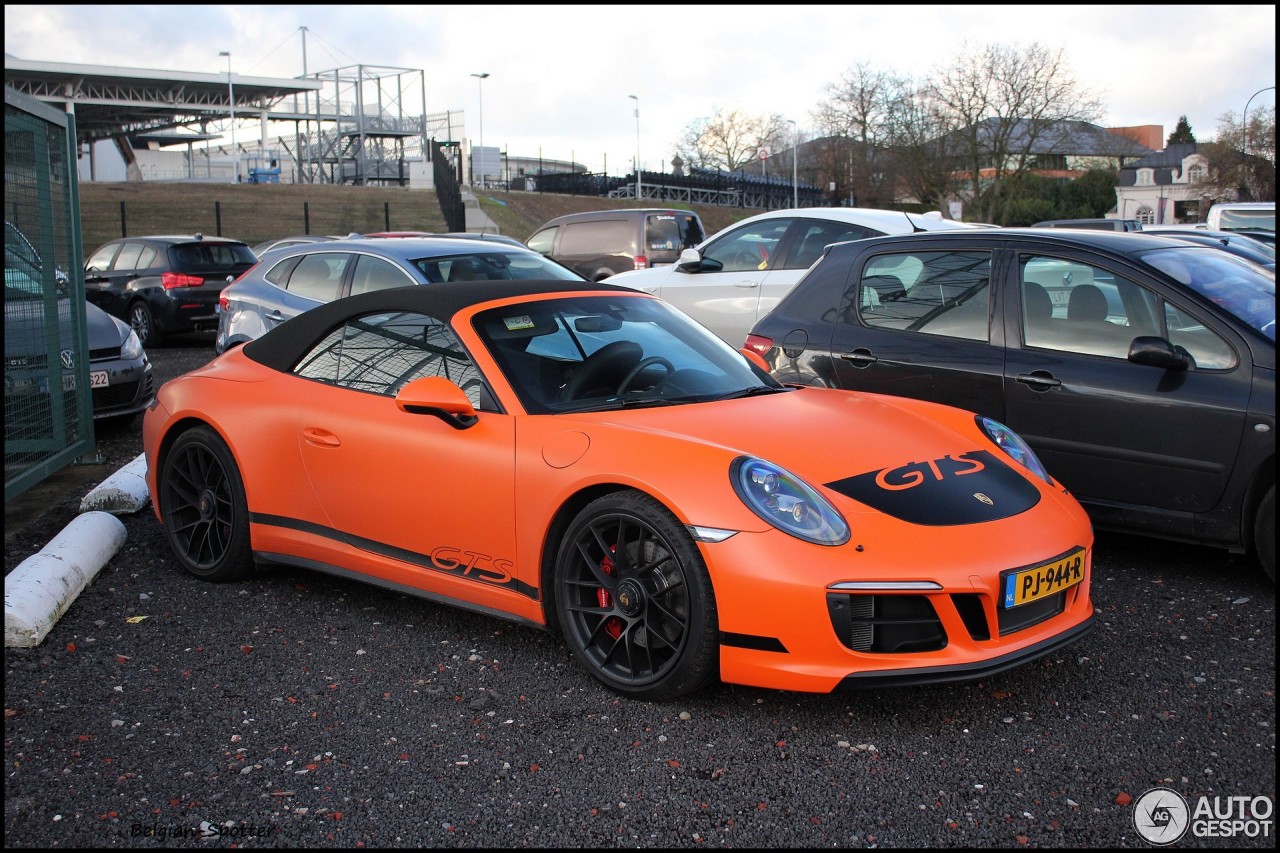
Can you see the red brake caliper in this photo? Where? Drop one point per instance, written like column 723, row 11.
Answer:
column 612, row 625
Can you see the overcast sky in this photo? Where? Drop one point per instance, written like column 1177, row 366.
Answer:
column 560, row 76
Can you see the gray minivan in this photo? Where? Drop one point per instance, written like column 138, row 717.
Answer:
column 600, row 243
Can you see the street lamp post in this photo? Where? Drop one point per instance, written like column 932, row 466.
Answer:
column 231, row 94
column 795, row 184
column 637, row 100
column 1244, row 118
column 480, row 89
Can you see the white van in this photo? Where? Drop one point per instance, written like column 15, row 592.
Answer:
column 1242, row 215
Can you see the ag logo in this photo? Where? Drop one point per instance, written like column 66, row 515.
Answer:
column 1161, row 816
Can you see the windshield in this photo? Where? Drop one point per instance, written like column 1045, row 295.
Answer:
column 607, row 352
column 1240, row 287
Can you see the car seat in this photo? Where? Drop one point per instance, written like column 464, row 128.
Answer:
column 1087, row 304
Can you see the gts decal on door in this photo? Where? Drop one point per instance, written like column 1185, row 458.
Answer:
column 446, row 559
column 967, row 489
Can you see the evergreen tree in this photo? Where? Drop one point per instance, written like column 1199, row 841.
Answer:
column 1181, row 134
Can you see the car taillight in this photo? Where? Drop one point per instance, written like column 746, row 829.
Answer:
column 224, row 304
column 170, row 280
column 758, row 344
column 642, row 263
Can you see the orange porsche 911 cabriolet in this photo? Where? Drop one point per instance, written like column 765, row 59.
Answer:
column 588, row 460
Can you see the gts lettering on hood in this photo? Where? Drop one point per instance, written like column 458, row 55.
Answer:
column 970, row 488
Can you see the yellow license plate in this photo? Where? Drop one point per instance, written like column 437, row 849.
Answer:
column 1023, row 586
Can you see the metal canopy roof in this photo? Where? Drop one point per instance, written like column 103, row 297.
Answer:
column 109, row 100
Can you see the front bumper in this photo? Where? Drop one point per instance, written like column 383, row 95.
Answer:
column 787, row 622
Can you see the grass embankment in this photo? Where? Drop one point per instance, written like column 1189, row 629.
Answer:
column 257, row 212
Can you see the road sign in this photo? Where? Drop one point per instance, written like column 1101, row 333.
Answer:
column 763, row 153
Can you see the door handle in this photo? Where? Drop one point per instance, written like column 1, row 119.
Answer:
column 320, row 437
column 1039, row 380
column 861, row 357
column 275, row 316
column 747, row 283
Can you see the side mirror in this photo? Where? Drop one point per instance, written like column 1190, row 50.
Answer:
column 435, row 395
column 1154, row 351
column 690, row 261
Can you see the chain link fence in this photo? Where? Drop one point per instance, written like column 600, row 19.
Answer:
column 48, row 408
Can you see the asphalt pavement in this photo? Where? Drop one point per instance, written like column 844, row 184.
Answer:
column 295, row 709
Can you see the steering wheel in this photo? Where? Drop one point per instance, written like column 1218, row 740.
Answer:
column 639, row 368
column 610, row 360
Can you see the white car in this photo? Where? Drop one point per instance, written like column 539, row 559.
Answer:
column 738, row 275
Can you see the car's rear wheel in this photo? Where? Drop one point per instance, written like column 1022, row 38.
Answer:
column 634, row 599
column 1264, row 533
column 202, row 502
column 143, row 323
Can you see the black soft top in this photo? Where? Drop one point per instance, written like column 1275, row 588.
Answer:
column 283, row 346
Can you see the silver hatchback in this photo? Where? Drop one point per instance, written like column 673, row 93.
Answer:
column 287, row 282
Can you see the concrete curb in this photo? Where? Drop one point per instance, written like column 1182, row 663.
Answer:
column 43, row 586
column 123, row 493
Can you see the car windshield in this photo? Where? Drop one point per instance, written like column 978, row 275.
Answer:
column 1245, row 289
column 491, row 265
column 606, row 352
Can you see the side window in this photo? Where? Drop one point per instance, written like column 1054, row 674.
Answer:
column 319, row 276
column 1201, row 343
column 1075, row 307
column 147, row 259
column 128, row 257
column 279, row 274
column 542, row 241
column 937, row 293
column 748, row 248
column 381, row 353
column 816, row 235
column 376, row 274
column 101, row 259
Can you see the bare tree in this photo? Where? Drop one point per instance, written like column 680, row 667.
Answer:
column 856, row 118
column 1241, row 166
column 1009, row 104
column 926, row 149
column 729, row 138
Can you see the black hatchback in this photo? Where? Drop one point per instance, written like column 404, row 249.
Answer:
column 1141, row 369
column 164, row 284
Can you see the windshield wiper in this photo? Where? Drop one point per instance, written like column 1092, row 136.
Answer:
column 751, row 392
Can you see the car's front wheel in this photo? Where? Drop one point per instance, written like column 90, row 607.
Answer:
column 202, row 501
column 634, row 599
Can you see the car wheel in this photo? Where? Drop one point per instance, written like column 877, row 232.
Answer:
column 1264, row 533
column 634, row 599
column 143, row 323
column 202, row 502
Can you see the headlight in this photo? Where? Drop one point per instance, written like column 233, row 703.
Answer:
column 132, row 347
column 787, row 502
column 1011, row 443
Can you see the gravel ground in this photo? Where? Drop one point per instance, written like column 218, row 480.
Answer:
column 297, row 709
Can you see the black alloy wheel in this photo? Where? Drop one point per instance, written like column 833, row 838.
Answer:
column 634, row 599
column 202, row 502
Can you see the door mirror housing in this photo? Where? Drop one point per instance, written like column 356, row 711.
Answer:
column 435, row 395
column 1157, row 352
